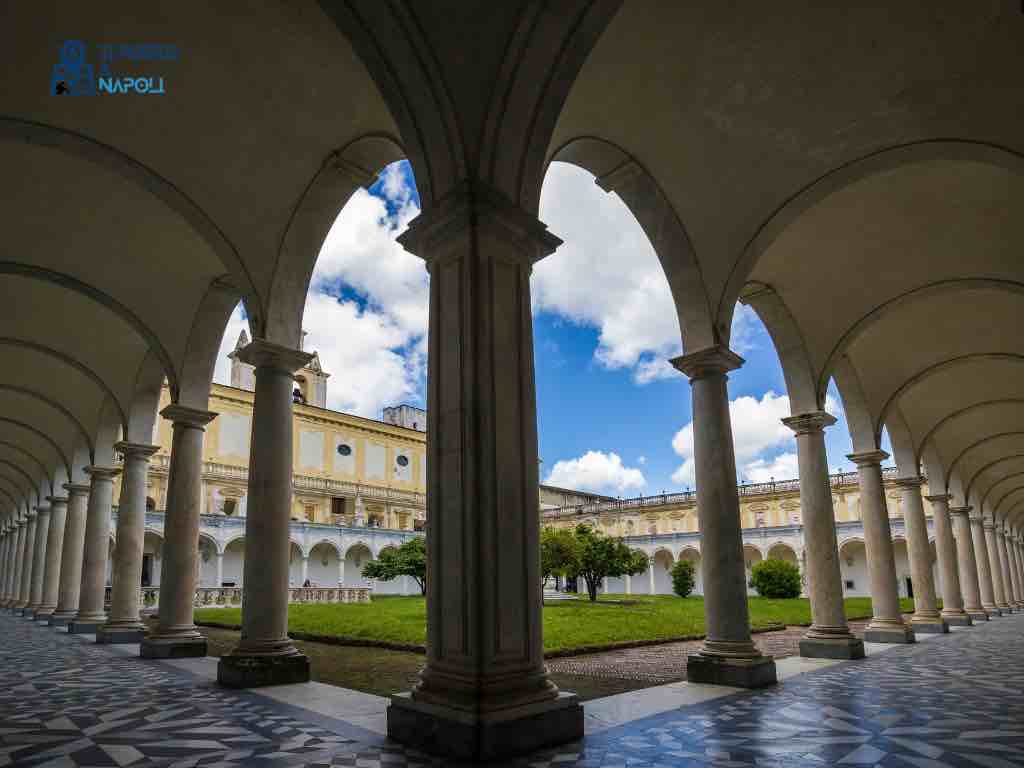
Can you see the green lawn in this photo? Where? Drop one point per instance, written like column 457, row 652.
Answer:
column 613, row 619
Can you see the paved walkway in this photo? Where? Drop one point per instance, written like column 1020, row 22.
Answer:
column 955, row 700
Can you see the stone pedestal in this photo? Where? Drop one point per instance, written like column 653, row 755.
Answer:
column 953, row 612
column 968, row 567
column 926, row 618
column 124, row 624
column 485, row 692
column 71, row 556
column 728, row 656
column 176, row 635
column 829, row 636
column 266, row 655
column 887, row 625
column 91, row 607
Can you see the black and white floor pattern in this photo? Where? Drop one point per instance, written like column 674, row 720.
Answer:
column 957, row 700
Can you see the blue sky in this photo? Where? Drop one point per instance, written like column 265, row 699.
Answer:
column 613, row 417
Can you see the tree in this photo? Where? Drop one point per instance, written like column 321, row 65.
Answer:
column 558, row 552
column 775, row 578
column 410, row 559
column 600, row 556
column 683, row 578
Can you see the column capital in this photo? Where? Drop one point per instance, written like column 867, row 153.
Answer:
column 476, row 204
column 964, row 510
column 265, row 354
column 75, row 489
column 909, row 482
column 126, row 448
column 809, row 423
column 868, row 458
column 946, row 497
column 989, row 525
column 57, row 500
column 102, row 473
column 192, row 417
column 707, row 362
column 40, row 508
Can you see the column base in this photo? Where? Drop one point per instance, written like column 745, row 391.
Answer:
column 258, row 671
column 29, row 613
column 172, row 647
column 832, row 648
column 44, row 614
column 120, row 635
column 76, row 627
column 929, row 626
column 993, row 613
column 490, row 736
column 740, row 673
column 58, row 620
column 957, row 620
column 978, row 615
column 889, row 634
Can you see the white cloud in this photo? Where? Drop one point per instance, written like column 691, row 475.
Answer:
column 597, row 472
column 756, row 430
column 782, row 467
column 641, row 460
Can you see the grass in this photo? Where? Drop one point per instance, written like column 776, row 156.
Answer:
column 567, row 625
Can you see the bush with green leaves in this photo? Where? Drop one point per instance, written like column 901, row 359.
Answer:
column 410, row 559
column 684, row 578
column 776, row 578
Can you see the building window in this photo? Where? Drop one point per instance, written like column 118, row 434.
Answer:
column 338, row 506
column 344, row 450
column 310, row 513
column 150, row 504
column 402, row 461
column 849, row 584
column 230, row 506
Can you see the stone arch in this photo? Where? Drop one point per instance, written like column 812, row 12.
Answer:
column 203, row 344
column 325, row 563
column 858, row 414
column 234, row 561
column 149, row 381
column 55, row 406
column 962, row 412
column 780, row 550
column 357, row 555
column 662, row 562
column 853, row 567
column 875, row 162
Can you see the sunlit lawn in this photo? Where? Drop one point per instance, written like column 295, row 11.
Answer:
column 569, row 624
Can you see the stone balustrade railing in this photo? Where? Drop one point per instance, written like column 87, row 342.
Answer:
column 226, row 597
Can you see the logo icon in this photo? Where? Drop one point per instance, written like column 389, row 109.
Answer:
column 72, row 75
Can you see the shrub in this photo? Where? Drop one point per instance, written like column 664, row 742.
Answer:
column 776, row 578
column 684, row 578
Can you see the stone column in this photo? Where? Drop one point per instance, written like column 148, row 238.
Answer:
column 1004, row 569
column 266, row 655
column 953, row 612
column 1018, row 557
column 728, row 656
column 829, row 635
column 28, row 551
column 219, row 570
column 38, row 562
column 983, row 564
column 176, row 635
column 18, row 559
column 10, row 536
column 887, row 625
column 341, row 570
column 926, row 616
column 91, row 605
column 1012, row 548
column 968, row 566
column 485, row 692
column 4, row 545
column 650, row 576
column 304, row 572
column 125, row 624
column 995, row 566
column 629, row 584
column 54, row 552
column 70, row 588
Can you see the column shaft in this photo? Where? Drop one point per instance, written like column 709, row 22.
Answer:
column 999, row 586
column 1018, row 559
column 96, row 551
column 28, row 550
column 926, row 616
column 728, row 656
column 953, row 612
column 887, row 625
column 125, row 624
column 1012, row 548
column 8, row 565
column 17, row 555
column 1004, row 568
column 176, row 635
column 968, row 566
column 829, row 635
column 54, row 552
column 220, row 570
column 71, row 558
column 39, row 560
column 984, row 566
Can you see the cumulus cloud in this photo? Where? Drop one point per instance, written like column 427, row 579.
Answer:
column 782, row 467
column 756, row 430
column 597, row 472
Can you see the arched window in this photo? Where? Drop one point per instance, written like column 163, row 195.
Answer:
column 150, row 504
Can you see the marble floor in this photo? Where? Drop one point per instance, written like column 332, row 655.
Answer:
column 954, row 700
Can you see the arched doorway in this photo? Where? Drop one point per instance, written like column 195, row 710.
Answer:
column 234, row 562
column 853, row 565
column 751, row 557
column 662, row 563
column 356, row 558
column 693, row 556
column 325, row 565
column 152, row 556
column 295, row 575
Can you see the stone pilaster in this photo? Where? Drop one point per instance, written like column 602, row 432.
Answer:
column 54, row 551
column 266, row 655
column 968, row 566
column 887, row 624
column 926, row 616
column 829, row 635
column 953, row 612
column 38, row 561
column 176, row 635
column 485, row 692
column 125, row 624
column 729, row 655
column 96, row 552
column 984, row 565
column 70, row 589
